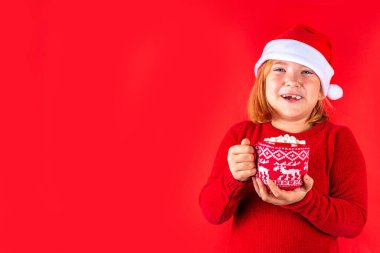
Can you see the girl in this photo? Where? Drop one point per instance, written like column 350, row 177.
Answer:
column 289, row 97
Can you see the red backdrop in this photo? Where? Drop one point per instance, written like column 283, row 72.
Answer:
column 112, row 113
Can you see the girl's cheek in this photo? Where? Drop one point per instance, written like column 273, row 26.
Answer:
column 271, row 80
column 275, row 78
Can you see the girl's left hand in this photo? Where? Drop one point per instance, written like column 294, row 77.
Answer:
column 280, row 197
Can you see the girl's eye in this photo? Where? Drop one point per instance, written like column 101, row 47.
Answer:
column 308, row 72
column 279, row 69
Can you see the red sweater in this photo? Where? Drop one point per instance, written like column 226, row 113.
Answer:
column 335, row 206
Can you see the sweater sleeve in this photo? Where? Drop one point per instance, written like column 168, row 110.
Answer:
column 222, row 193
column 343, row 212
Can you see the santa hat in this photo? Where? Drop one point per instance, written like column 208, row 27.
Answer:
column 305, row 46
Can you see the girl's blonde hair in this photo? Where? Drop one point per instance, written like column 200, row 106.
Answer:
column 259, row 110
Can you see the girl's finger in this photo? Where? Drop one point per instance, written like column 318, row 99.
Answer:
column 240, row 158
column 262, row 189
column 241, row 149
column 244, row 166
column 308, row 183
column 274, row 188
column 244, row 175
column 256, row 186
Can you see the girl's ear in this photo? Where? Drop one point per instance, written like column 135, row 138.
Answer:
column 321, row 95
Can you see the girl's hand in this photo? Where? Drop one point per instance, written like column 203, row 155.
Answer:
column 241, row 160
column 280, row 197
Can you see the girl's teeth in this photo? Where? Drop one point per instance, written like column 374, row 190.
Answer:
column 292, row 96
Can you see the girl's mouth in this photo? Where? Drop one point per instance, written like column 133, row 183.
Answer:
column 291, row 98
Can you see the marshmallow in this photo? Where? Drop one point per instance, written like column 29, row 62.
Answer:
column 285, row 139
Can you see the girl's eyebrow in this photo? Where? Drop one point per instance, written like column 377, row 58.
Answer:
column 307, row 68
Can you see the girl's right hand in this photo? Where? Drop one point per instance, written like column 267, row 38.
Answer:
column 241, row 160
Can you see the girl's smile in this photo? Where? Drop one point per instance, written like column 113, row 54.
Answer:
column 291, row 97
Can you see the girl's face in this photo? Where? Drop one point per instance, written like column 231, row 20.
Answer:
column 292, row 90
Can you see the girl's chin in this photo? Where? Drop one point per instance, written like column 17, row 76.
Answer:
column 291, row 117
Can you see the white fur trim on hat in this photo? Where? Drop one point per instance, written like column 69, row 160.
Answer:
column 301, row 53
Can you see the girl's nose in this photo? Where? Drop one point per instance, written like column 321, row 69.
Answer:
column 292, row 83
column 292, row 80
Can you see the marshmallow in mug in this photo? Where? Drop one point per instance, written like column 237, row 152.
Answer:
column 285, row 139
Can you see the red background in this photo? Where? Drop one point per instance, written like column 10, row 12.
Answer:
column 112, row 113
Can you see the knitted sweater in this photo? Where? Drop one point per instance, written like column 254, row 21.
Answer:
column 336, row 206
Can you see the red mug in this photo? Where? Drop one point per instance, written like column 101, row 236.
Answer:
column 283, row 163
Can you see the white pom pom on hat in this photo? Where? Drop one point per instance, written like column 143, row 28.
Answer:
column 304, row 45
column 334, row 92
